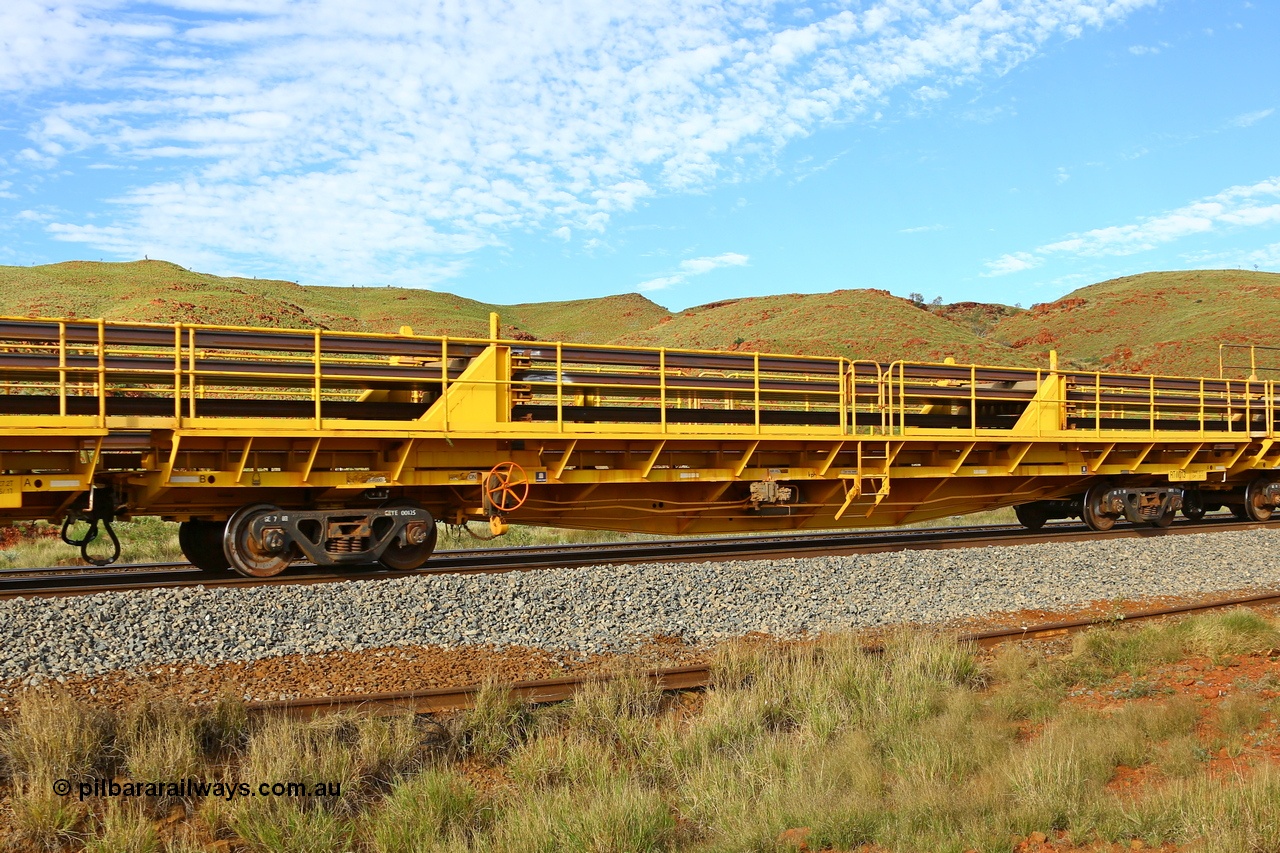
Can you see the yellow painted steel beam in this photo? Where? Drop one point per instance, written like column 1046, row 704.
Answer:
column 876, row 429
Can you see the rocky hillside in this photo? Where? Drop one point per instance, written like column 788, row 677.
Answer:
column 1163, row 322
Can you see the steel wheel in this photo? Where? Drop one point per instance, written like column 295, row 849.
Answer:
column 1166, row 519
column 1030, row 516
column 403, row 558
column 1254, row 507
column 1089, row 509
column 247, row 555
column 201, row 543
column 1193, row 504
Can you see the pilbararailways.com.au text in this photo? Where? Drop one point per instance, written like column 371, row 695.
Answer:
column 194, row 788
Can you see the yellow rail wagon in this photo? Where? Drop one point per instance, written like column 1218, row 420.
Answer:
column 272, row 445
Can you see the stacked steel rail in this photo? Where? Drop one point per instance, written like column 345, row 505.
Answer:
column 343, row 448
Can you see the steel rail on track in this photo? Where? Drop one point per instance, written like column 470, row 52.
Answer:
column 532, row 558
column 544, row 691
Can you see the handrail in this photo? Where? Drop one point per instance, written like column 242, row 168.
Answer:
column 67, row 359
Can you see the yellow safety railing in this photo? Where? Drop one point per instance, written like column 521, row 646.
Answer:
column 1253, row 367
column 559, row 386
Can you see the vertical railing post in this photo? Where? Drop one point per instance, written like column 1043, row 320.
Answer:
column 1230, row 408
column 1202, row 404
column 1097, row 404
column 62, row 370
column 444, row 380
column 1248, row 404
column 902, row 398
column 560, row 386
column 1040, row 378
column 191, row 372
column 844, row 397
column 973, row 400
column 1152, row 400
column 662, row 389
column 102, row 373
column 316, row 356
column 756, row 386
column 177, row 374
column 1265, row 414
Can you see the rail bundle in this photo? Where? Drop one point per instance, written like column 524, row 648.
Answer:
column 272, row 446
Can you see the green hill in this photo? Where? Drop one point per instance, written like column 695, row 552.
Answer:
column 158, row 291
column 1160, row 322
column 1163, row 322
column 868, row 324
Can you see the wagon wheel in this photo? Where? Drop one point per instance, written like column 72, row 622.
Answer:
column 1030, row 515
column 1090, row 511
column 506, row 487
column 246, row 554
column 407, row 556
column 201, row 543
column 1255, row 501
column 1193, row 505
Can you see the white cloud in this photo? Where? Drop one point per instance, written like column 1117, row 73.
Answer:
column 1243, row 206
column 1247, row 119
column 5, row 186
column 692, row 267
column 344, row 140
column 1266, row 257
column 920, row 229
column 1016, row 262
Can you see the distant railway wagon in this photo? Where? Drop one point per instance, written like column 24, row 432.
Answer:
column 272, row 446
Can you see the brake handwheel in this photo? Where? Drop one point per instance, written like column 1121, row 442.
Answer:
column 506, row 487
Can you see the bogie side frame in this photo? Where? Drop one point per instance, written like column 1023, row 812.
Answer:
column 377, row 437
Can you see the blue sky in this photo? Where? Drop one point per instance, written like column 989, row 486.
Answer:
column 694, row 151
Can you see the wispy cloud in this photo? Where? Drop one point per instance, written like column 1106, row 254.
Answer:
column 920, row 229
column 694, row 266
column 1248, row 119
column 1236, row 207
column 1015, row 262
column 807, row 170
column 368, row 142
column 1258, row 258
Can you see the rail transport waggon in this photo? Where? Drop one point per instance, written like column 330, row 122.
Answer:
column 272, row 446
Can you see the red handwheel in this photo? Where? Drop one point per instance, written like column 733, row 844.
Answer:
column 506, row 487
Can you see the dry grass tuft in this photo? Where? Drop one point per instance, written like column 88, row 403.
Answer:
column 915, row 748
column 497, row 724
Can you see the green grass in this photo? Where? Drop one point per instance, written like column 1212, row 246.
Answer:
column 922, row 747
column 863, row 324
column 1160, row 322
column 158, row 291
column 143, row 540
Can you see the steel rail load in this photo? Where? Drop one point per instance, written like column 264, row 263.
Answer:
column 272, row 445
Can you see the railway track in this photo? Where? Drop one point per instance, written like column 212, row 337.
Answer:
column 545, row 691
column 62, row 581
